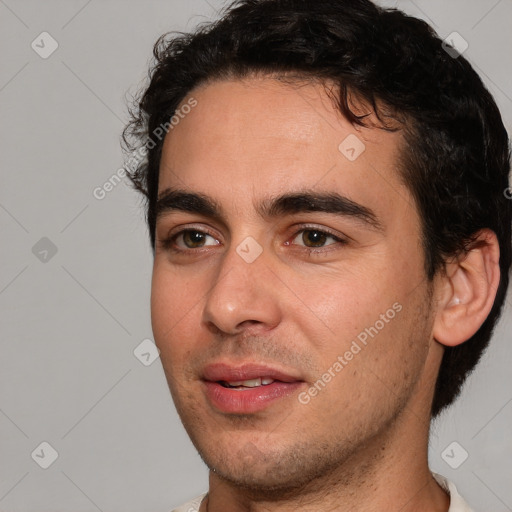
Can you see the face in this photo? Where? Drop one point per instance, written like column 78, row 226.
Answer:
column 289, row 300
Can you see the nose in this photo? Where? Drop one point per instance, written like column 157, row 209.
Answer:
column 242, row 295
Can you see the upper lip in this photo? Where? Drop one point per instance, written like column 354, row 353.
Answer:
column 217, row 372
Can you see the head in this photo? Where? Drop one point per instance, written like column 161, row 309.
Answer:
column 263, row 102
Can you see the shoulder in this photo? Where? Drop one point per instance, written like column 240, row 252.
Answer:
column 190, row 506
column 457, row 503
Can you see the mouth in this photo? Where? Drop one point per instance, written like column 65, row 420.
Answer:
column 250, row 383
column 247, row 388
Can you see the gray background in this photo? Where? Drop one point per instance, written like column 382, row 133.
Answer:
column 70, row 323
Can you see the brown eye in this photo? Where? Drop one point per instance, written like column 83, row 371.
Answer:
column 194, row 239
column 187, row 240
column 314, row 238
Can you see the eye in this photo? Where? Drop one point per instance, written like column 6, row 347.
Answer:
column 314, row 238
column 189, row 239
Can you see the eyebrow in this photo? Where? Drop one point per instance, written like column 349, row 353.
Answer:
column 286, row 204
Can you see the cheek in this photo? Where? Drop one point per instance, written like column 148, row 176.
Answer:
column 340, row 304
column 368, row 317
column 173, row 309
column 368, row 372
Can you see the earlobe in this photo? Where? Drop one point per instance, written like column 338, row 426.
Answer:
column 466, row 291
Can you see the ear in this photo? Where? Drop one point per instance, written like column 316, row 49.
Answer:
column 467, row 289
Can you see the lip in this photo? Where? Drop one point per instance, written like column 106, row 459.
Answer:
column 222, row 371
column 250, row 400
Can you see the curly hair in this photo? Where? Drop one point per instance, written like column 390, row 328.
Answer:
column 456, row 159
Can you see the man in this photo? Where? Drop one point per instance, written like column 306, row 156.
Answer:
column 332, row 246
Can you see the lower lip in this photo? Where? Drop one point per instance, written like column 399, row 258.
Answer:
column 248, row 400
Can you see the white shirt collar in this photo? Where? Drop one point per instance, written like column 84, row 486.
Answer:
column 457, row 503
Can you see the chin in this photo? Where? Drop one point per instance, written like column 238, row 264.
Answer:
column 269, row 482
column 275, row 474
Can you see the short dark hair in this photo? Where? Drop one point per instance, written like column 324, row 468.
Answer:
column 456, row 159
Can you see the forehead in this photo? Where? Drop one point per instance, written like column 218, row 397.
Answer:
column 258, row 137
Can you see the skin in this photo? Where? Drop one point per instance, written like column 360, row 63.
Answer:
column 361, row 442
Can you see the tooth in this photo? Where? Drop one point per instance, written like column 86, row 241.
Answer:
column 251, row 383
column 235, row 383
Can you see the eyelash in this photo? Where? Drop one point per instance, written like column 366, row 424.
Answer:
column 168, row 244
